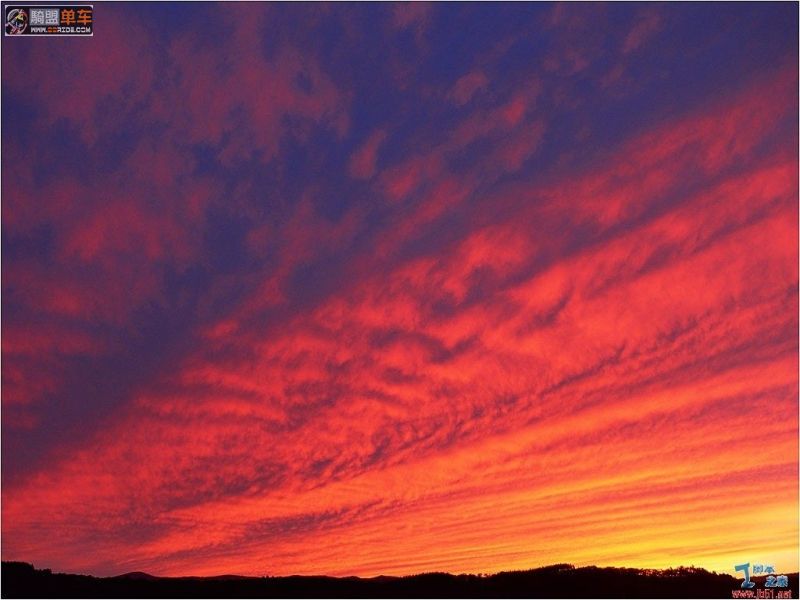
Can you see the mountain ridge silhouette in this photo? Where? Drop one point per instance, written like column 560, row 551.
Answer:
column 23, row 580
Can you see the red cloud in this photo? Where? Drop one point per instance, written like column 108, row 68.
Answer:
column 362, row 163
column 467, row 86
column 646, row 26
column 402, row 401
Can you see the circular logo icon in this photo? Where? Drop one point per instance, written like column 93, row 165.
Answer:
column 16, row 21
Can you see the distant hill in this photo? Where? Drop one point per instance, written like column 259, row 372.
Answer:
column 135, row 575
column 22, row 580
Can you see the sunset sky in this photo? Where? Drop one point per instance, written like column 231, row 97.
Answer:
column 390, row 288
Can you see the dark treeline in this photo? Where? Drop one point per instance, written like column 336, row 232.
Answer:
column 21, row 580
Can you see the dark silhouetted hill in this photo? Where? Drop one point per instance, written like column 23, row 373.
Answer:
column 22, row 580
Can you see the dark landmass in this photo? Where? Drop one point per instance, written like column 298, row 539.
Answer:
column 22, row 580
